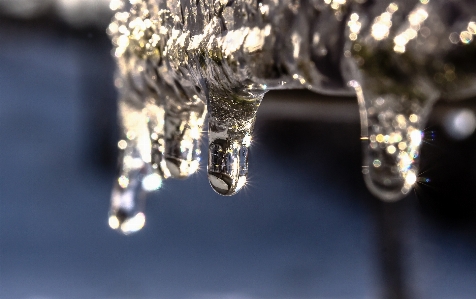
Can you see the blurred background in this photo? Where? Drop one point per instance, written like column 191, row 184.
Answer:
column 305, row 226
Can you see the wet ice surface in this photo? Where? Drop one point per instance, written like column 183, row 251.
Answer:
column 299, row 230
column 227, row 54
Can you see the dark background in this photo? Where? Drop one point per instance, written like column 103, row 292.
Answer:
column 304, row 227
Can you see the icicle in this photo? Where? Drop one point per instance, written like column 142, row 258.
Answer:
column 392, row 127
column 136, row 176
column 230, row 129
column 183, row 129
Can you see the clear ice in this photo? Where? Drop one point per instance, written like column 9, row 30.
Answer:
column 178, row 61
column 230, row 128
column 135, row 176
column 403, row 56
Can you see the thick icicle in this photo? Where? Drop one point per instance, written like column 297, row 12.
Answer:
column 392, row 134
column 404, row 55
column 395, row 97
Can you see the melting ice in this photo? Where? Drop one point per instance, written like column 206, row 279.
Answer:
column 178, row 61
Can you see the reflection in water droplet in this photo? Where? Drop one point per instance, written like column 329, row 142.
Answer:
column 228, row 166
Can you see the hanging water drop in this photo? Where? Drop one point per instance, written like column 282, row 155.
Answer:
column 230, row 128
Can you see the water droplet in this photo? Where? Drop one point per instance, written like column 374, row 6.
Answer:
column 230, row 128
